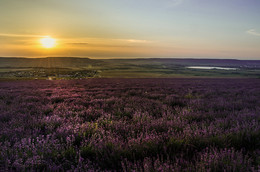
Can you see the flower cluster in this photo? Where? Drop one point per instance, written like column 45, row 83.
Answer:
column 130, row 125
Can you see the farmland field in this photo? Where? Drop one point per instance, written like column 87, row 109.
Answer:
column 189, row 124
column 81, row 68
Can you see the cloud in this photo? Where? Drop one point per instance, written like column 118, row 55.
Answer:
column 78, row 43
column 20, row 35
column 253, row 32
column 134, row 41
column 137, row 41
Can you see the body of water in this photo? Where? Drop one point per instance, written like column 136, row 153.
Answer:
column 211, row 67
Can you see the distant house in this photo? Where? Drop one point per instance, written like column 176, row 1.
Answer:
column 51, row 78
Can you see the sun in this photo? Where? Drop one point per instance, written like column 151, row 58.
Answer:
column 48, row 42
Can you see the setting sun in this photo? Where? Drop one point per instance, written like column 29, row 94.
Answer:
column 48, row 42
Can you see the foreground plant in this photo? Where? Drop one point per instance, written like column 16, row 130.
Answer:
column 130, row 124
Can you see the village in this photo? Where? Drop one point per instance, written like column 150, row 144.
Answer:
column 49, row 74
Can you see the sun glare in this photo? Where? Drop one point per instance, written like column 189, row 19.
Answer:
column 48, row 42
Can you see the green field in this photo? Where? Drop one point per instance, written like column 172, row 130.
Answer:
column 76, row 68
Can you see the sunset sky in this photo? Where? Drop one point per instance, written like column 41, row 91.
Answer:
column 131, row 28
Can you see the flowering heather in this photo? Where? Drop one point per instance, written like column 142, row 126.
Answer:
column 130, row 125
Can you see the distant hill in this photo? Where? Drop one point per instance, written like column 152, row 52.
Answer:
column 75, row 62
column 191, row 62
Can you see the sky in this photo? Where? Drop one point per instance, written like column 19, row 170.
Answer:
column 131, row 28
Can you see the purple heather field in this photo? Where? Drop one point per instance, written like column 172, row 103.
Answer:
column 130, row 125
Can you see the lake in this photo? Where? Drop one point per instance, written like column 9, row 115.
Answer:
column 211, row 67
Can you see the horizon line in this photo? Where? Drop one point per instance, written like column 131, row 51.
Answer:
column 131, row 58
